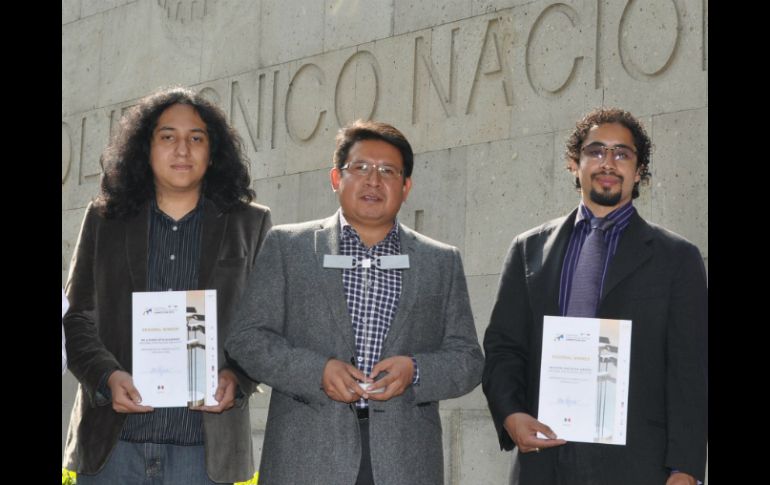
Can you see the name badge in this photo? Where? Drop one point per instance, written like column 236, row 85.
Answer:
column 399, row 261
column 337, row 261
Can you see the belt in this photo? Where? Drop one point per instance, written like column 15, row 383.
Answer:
column 363, row 413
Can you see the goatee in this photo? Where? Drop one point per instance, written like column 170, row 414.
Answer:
column 605, row 198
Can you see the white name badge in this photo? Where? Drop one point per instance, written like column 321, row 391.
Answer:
column 399, row 261
column 336, row 261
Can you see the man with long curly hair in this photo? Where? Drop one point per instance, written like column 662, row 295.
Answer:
column 604, row 261
column 174, row 212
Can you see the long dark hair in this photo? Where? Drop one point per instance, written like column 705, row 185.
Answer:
column 128, row 183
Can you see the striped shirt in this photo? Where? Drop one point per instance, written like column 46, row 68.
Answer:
column 621, row 216
column 174, row 253
column 372, row 294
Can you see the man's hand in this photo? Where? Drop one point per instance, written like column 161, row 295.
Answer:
column 225, row 394
column 339, row 381
column 125, row 397
column 523, row 428
column 400, row 372
column 680, row 478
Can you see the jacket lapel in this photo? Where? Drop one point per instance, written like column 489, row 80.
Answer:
column 634, row 248
column 214, row 222
column 409, row 285
column 137, row 235
column 327, row 241
column 543, row 270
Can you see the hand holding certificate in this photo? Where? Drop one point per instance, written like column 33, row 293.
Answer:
column 175, row 347
column 584, row 378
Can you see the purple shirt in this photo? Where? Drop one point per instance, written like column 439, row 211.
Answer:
column 621, row 216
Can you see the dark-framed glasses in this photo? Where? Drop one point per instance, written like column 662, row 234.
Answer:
column 598, row 152
column 363, row 169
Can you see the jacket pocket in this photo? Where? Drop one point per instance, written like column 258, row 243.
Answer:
column 429, row 412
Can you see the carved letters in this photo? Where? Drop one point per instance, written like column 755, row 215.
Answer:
column 475, row 65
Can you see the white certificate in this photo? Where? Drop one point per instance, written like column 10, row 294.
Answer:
column 174, row 347
column 584, row 378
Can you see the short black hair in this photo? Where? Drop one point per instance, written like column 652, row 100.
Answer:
column 372, row 130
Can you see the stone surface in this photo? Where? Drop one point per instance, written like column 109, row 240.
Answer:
column 481, row 461
column 648, row 52
column 435, row 206
column 81, row 45
column 486, row 91
column 413, row 15
column 679, row 167
column 281, row 195
column 91, row 7
column 509, row 188
column 70, row 11
column 170, row 44
column 352, row 22
column 290, row 29
column 231, row 38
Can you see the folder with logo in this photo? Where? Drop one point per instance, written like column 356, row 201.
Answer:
column 175, row 347
column 584, row 378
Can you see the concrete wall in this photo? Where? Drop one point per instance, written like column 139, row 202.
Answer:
column 486, row 91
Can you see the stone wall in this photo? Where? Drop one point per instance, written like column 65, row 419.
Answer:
column 486, row 91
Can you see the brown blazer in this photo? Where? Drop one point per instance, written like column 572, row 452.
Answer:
column 109, row 263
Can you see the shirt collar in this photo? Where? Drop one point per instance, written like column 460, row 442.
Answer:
column 198, row 208
column 619, row 215
column 351, row 231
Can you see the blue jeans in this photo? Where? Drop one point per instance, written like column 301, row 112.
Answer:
column 151, row 464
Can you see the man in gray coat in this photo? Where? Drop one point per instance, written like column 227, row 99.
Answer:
column 360, row 325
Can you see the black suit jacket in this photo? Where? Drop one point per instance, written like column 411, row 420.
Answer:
column 657, row 280
column 109, row 263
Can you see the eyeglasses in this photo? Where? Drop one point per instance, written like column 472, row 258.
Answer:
column 363, row 169
column 598, row 152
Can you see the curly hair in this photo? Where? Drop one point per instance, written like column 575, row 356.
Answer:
column 360, row 130
column 600, row 116
column 127, row 182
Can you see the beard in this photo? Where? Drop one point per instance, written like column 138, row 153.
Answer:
column 606, row 198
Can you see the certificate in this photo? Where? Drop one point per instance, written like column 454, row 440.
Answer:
column 584, row 378
column 174, row 347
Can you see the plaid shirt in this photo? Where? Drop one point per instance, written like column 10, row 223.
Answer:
column 372, row 294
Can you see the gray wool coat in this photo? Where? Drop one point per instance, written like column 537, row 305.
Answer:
column 294, row 317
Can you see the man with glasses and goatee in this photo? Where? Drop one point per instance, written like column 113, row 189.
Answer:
column 604, row 261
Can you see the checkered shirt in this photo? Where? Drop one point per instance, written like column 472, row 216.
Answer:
column 372, row 294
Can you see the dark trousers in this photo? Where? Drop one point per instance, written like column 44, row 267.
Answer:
column 365, row 469
column 592, row 464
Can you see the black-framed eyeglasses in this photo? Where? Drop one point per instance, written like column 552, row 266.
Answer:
column 363, row 168
column 598, row 152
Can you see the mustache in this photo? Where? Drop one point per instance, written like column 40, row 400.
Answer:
column 605, row 173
